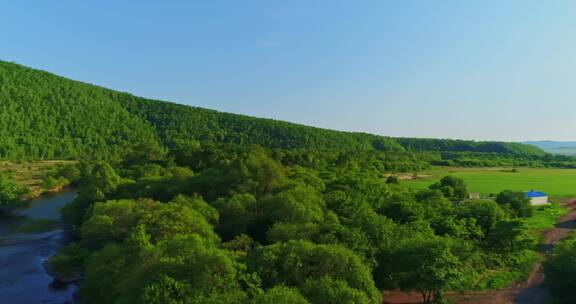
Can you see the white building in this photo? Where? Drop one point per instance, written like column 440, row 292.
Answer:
column 537, row 198
column 474, row 196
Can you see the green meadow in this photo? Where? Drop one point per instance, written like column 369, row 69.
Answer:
column 558, row 183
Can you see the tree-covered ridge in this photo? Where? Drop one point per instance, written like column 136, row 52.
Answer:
column 176, row 122
column 454, row 145
column 44, row 116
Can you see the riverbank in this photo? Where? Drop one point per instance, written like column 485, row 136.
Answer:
column 24, row 251
column 31, row 174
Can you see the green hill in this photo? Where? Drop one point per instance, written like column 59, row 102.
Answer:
column 44, row 116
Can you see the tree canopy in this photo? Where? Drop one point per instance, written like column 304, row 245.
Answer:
column 231, row 224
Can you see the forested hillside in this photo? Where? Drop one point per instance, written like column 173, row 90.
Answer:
column 44, row 116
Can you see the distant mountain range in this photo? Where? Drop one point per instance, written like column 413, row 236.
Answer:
column 555, row 147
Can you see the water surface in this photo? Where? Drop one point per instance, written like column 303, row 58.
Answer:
column 23, row 278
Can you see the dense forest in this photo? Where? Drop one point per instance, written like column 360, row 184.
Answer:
column 44, row 116
column 235, row 224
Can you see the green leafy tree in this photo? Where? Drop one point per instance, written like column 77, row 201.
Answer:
column 296, row 205
column 452, row 187
column 144, row 153
column 485, row 214
column 239, row 214
column 197, row 203
column 113, row 221
column 403, row 211
column 516, row 202
column 256, row 173
column 71, row 172
column 295, row 262
column 102, row 178
column 328, row 290
column 510, row 236
column 51, row 183
column 560, row 271
column 11, row 193
column 428, row 267
column 281, row 295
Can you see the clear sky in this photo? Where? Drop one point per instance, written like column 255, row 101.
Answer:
column 500, row 70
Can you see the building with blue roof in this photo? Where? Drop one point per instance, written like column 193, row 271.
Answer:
column 537, row 198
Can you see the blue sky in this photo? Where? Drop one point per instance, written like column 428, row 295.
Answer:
column 499, row 70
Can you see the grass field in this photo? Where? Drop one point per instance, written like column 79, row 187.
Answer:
column 558, row 183
column 544, row 217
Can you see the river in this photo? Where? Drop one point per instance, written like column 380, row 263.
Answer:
column 23, row 278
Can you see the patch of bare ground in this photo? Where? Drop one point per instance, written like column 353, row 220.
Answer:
column 409, row 177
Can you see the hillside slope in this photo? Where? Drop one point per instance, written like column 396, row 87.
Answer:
column 44, row 116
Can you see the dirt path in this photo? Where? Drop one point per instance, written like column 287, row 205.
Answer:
column 533, row 291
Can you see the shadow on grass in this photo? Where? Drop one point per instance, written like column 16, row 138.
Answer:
column 567, row 224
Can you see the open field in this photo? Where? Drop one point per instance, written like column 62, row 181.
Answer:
column 29, row 174
column 558, row 183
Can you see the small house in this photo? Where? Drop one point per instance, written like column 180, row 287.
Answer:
column 474, row 195
column 537, row 197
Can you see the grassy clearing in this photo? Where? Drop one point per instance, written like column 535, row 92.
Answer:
column 558, row 183
column 521, row 268
column 545, row 217
column 38, row 226
column 29, row 174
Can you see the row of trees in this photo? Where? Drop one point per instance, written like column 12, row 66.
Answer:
column 232, row 224
column 484, row 159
